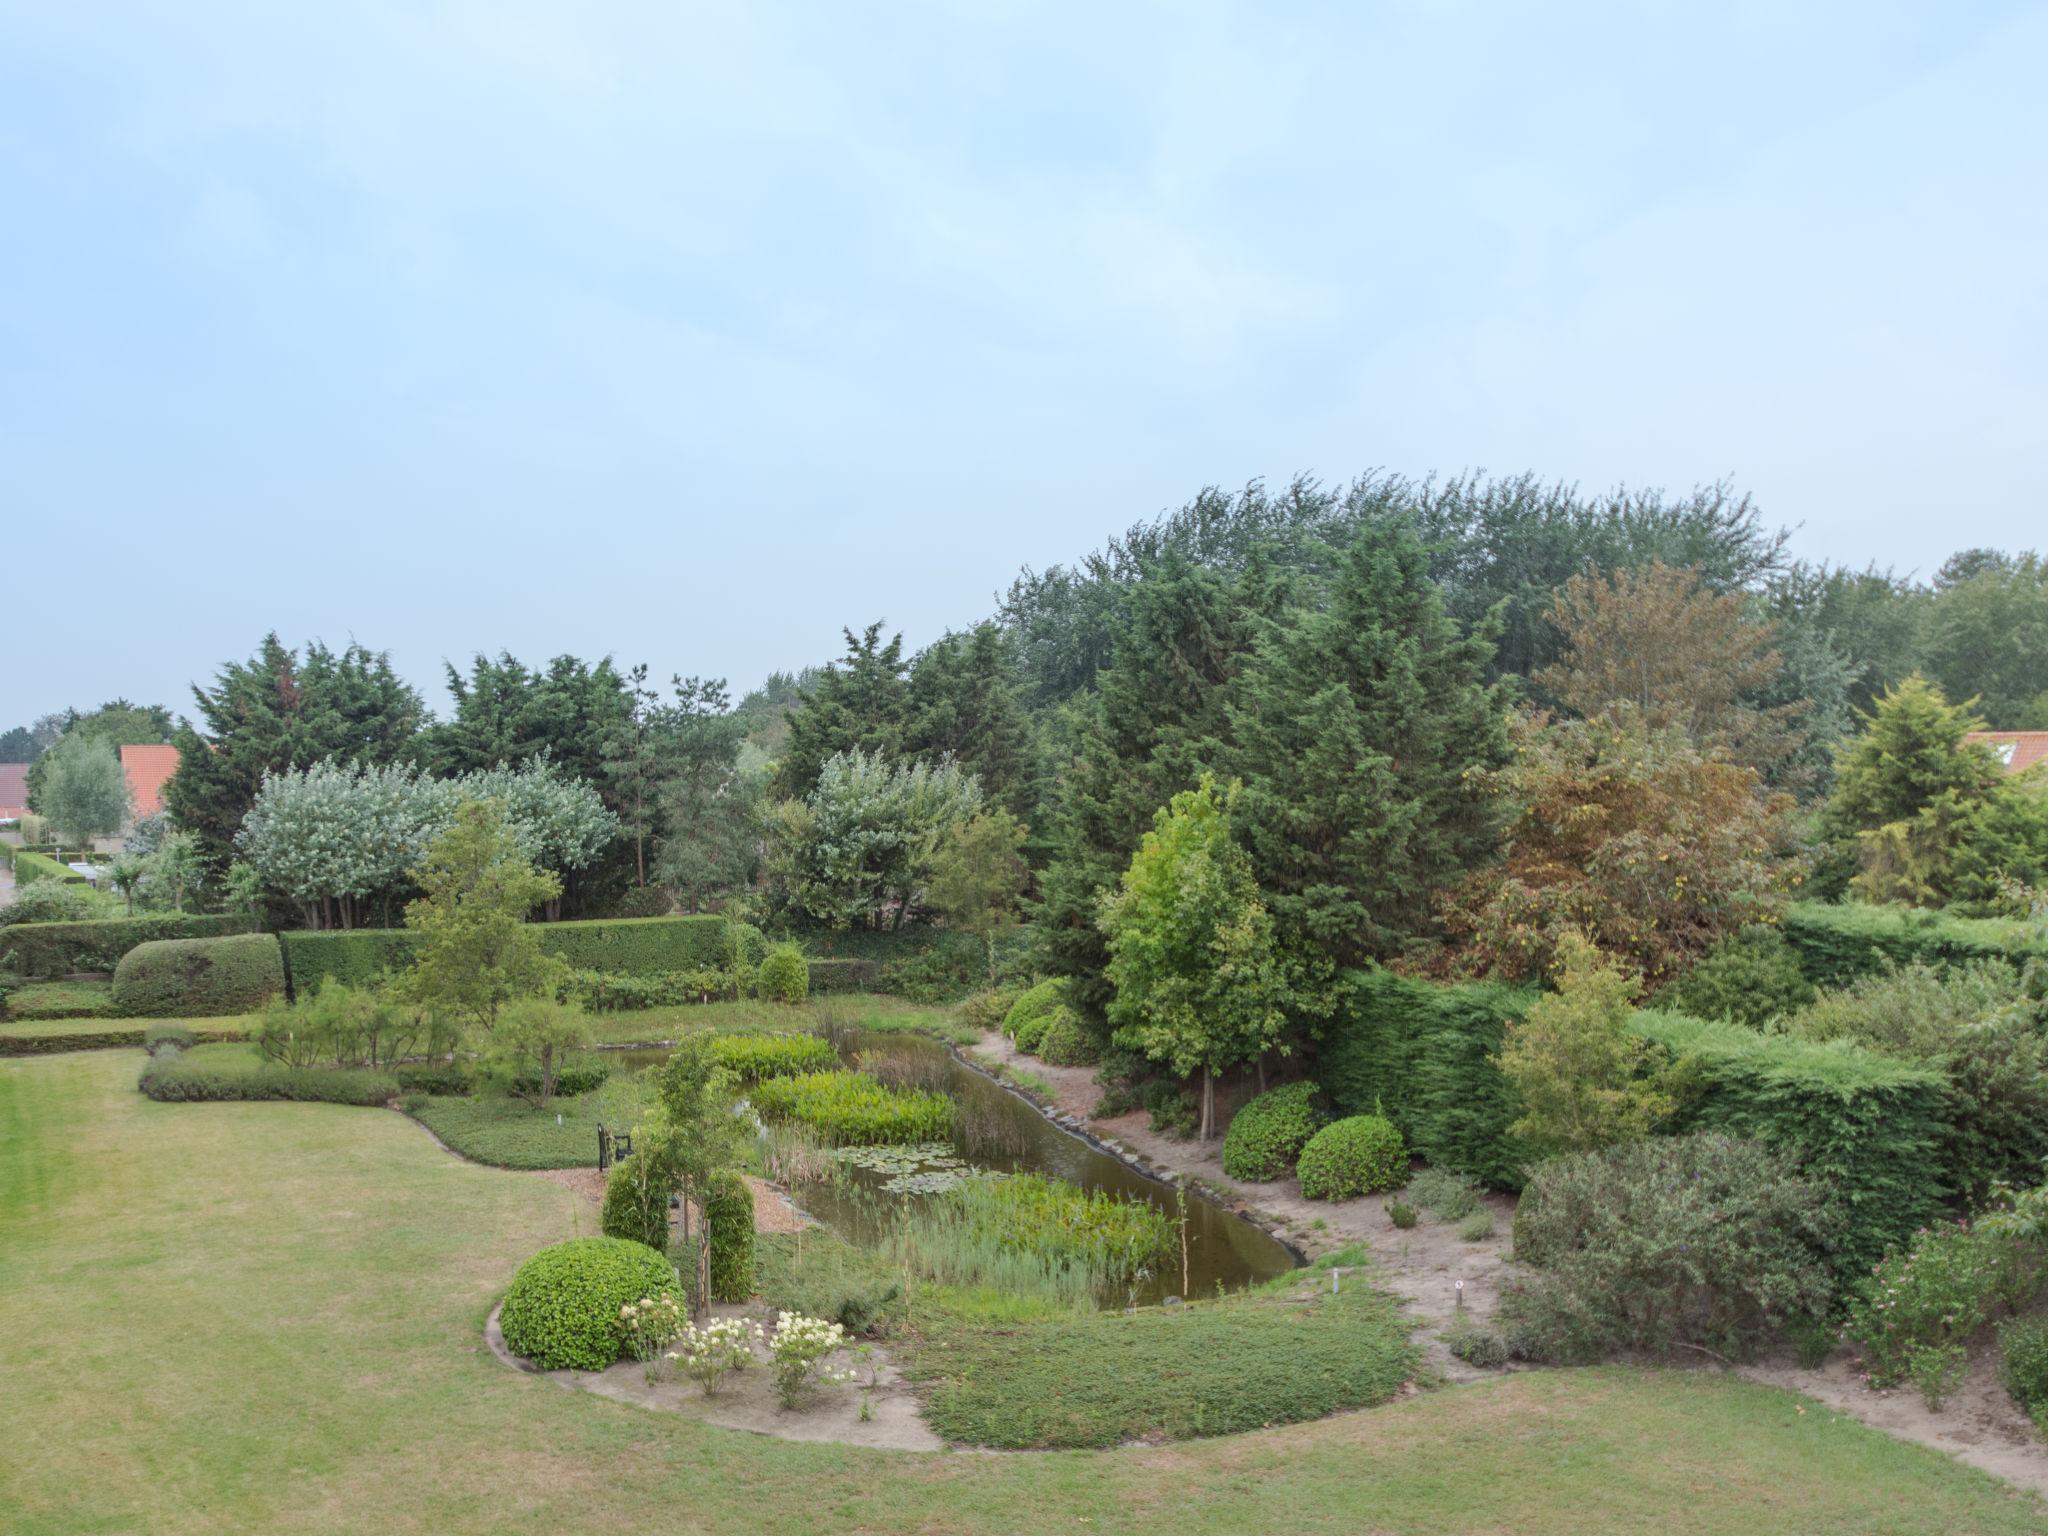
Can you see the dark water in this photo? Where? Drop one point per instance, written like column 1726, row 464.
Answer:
column 996, row 1129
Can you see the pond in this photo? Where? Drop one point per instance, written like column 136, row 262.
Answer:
column 998, row 1130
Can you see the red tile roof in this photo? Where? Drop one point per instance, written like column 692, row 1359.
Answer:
column 13, row 789
column 2018, row 750
column 148, row 769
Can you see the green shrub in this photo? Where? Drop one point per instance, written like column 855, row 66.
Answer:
column 179, row 1079
column 1700, row 1240
column 1869, row 1127
column 182, row 978
column 729, row 1225
column 620, row 946
column 1930, row 1296
column 783, row 977
column 606, row 992
column 1025, row 1022
column 634, row 1208
column 1169, row 1107
column 61, row 1000
column 1065, row 1042
column 834, row 975
column 1836, row 943
column 1422, row 1053
column 753, row 1057
column 854, row 1109
column 571, row 1080
column 46, row 903
column 562, row 1311
column 58, row 948
column 1267, row 1134
column 1477, row 1345
column 1360, row 1155
column 1476, row 1228
column 166, row 1038
column 1750, row 978
column 448, row 1079
column 1401, row 1214
column 987, row 1009
column 1445, row 1195
column 2023, row 1363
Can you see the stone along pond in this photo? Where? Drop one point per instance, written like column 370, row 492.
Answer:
column 999, row 1131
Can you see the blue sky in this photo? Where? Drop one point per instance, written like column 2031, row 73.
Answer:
column 688, row 334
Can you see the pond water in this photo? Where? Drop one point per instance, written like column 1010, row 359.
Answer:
column 998, row 1130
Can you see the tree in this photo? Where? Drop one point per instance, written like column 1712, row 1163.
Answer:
column 84, row 792
column 869, row 835
column 506, row 712
column 116, row 723
column 1871, row 618
column 979, row 877
column 1584, row 1080
column 1645, row 846
column 525, row 1050
column 1987, row 635
column 860, row 703
column 475, row 950
column 277, row 711
column 176, row 872
column 336, row 838
column 692, row 1134
column 1358, row 727
column 1654, row 646
column 631, row 767
column 1195, row 979
column 1929, row 817
column 963, row 705
column 560, row 821
column 708, row 807
column 126, row 875
column 25, row 743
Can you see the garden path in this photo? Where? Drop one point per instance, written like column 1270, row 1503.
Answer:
column 1428, row 1266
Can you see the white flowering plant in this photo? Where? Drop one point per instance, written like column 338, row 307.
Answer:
column 798, row 1352
column 647, row 1326
column 719, row 1349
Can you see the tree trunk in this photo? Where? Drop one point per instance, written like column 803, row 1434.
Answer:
column 547, row 1074
column 1208, row 1103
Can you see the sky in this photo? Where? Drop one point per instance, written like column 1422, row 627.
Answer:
column 688, row 334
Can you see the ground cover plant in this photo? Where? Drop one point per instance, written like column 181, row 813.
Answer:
column 854, row 1109
column 378, row 1257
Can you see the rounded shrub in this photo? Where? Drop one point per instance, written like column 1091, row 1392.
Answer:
column 1358, row 1156
column 729, row 1220
column 784, row 977
column 2023, row 1363
column 1065, row 1042
column 191, row 978
column 562, row 1311
column 1025, row 1022
column 1267, row 1135
column 634, row 1208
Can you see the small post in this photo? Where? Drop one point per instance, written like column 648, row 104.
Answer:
column 1461, row 1295
column 1336, row 1281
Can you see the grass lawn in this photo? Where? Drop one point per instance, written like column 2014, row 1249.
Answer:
column 28, row 1037
column 259, row 1317
column 510, row 1133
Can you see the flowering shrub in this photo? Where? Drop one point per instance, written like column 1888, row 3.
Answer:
column 709, row 1354
column 797, row 1353
column 1930, row 1297
column 646, row 1326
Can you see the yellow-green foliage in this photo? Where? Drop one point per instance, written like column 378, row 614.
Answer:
column 854, row 1109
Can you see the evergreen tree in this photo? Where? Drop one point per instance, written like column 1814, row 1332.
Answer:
column 860, row 703
column 276, row 711
column 506, row 713
column 1356, row 728
column 963, row 704
column 1987, row 636
column 711, row 846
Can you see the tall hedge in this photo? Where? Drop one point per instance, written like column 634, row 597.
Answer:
column 636, row 946
column 40, row 866
column 1837, row 943
column 729, row 1222
column 1871, row 1126
column 50, row 950
column 192, row 978
column 1421, row 1054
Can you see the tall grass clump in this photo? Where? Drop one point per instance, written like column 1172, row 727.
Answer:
column 852, row 1109
column 753, row 1057
column 1031, row 1234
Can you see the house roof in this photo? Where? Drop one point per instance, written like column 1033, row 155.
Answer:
column 148, row 769
column 13, row 789
column 2018, row 750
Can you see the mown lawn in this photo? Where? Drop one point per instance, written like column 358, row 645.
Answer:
column 259, row 1317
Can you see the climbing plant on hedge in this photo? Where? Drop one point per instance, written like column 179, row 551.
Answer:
column 729, row 1217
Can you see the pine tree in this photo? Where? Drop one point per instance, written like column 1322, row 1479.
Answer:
column 963, row 704
column 1356, row 729
column 861, row 702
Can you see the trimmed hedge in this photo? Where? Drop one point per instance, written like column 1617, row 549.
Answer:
column 185, row 978
column 1063, row 1041
column 177, row 1079
column 1266, row 1136
column 1361, row 1155
column 1028, row 1017
column 633, row 1208
column 1421, row 1053
column 622, row 946
column 838, row 975
column 1870, row 1126
column 729, row 1221
column 562, row 1311
column 1839, row 942
column 50, row 950
column 39, row 866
